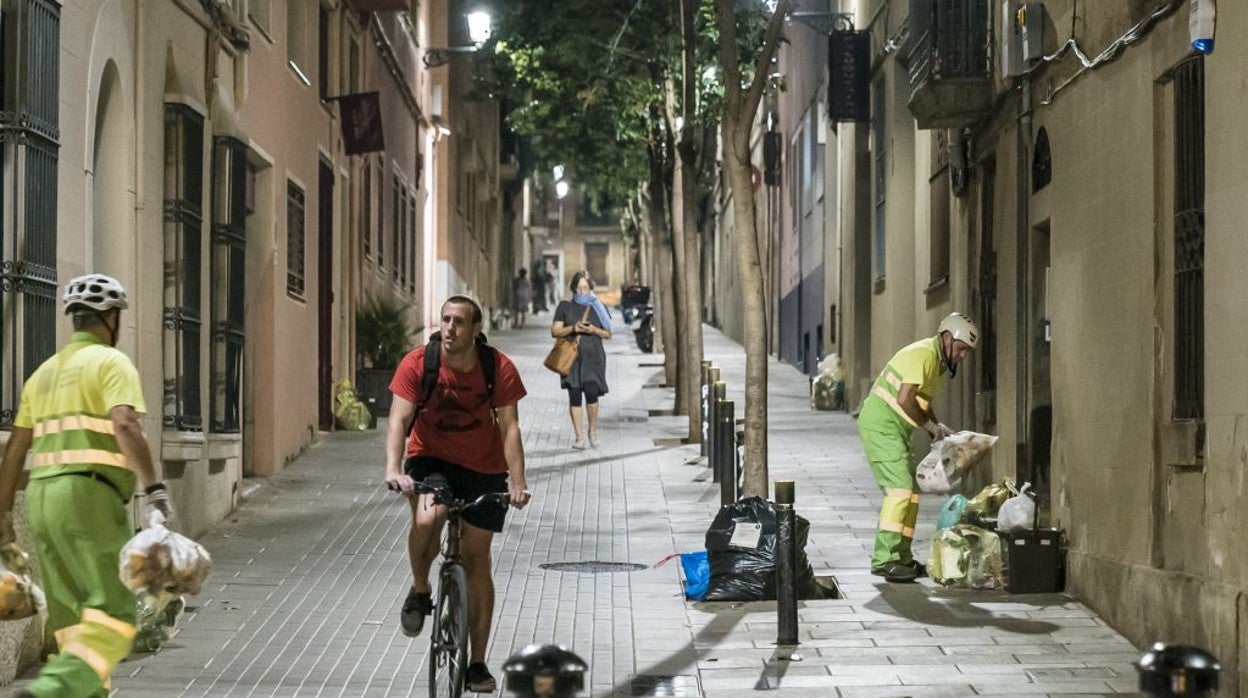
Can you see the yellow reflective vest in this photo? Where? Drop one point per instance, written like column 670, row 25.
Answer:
column 918, row 363
column 66, row 404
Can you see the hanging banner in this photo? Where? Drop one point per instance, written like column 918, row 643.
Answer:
column 361, row 123
column 849, row 76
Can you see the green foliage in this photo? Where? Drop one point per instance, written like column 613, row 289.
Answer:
column 383, row 333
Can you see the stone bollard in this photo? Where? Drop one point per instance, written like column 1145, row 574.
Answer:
column 1178, row 670
column 545, row 671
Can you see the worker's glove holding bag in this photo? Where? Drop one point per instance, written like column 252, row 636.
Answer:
column 157, row 507
column 163, row 563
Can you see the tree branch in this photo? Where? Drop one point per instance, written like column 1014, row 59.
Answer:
column 762, row 66
column 725, row 17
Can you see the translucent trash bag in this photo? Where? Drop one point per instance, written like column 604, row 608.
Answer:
column 827, row 392
column 967, row 557
column 157, row 615
column 983, row 507
column 1018, row 513
column 943, row 468
column 951, row 512
column 20, row 597
column 160, row 562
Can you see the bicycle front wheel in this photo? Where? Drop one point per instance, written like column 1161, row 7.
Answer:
column 448, row 651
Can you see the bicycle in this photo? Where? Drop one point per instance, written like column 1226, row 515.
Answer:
column 448, row 636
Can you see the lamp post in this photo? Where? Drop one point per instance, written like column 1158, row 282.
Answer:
column 479, row 30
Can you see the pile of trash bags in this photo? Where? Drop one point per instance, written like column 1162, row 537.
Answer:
column 827, row 390
column 350, row 413
column 966, row 550
column 741, row 556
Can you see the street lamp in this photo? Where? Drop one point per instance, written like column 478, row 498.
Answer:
column 479, row 30
column 561, row 189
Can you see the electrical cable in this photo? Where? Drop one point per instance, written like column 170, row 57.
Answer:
column 1111, row 52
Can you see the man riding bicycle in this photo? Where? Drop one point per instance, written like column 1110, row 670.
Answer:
column 464, row 431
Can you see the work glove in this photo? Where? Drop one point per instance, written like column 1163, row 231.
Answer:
column 157, row 508
column 937, row 430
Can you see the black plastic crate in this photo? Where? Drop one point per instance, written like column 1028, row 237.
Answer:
column 1037, row 561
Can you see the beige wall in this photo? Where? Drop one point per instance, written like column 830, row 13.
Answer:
column 1154, row 548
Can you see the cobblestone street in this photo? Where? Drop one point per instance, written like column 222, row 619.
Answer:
column 310, row 572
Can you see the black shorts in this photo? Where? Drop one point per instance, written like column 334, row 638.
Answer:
column 465, row 484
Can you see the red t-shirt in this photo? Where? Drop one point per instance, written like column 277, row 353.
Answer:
column 458, row 424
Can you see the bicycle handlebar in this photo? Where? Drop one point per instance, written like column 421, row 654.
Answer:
column 442, row 495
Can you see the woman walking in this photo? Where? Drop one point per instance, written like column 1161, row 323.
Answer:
column 586, row 317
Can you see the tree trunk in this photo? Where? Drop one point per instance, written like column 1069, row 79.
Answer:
column 681, row 283
column 689, row 267
column 740, row 107
column 661, row 248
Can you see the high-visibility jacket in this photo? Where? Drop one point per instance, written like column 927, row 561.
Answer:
column 66, row 403
column 919, row 364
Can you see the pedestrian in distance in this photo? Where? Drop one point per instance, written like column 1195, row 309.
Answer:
column 539, row 282
column 464, row 430
column 899, row 401
column 522, row 295
column 586, row 317
column 80, row 414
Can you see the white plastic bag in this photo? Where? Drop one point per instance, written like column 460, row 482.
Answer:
column 20, row 597
column 163, row 563
column 949, row 460
column 1018, row 513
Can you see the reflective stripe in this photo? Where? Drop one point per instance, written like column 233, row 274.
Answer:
column 893, row 379
column 907, row 532
column 78, row 456
column 66, row 634
column 121, row 627
column 891, row 401
column 914, row 497
column 98, row 662
column 902, row 493
column 55, row 426
column 891, row 526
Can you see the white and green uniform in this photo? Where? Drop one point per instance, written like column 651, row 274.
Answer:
column 76, row 504
column 885, row 431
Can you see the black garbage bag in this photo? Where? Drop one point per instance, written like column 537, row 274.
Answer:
column 741, row 549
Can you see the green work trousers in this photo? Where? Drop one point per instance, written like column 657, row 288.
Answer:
column 79, row 526
column 888, row 452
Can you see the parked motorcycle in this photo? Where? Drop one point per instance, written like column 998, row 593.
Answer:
column 632, row 298
column 642, row 326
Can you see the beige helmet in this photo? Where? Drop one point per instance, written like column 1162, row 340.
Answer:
column 960, row 327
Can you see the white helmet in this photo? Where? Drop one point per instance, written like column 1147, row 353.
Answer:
column 95, row 292
column 960, row 327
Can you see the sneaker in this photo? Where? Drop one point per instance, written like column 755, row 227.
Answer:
column 897, row 572
column 478, row 679
column 415, row 607
column 920, row 569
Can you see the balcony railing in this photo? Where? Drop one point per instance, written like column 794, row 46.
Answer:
column 949, row 62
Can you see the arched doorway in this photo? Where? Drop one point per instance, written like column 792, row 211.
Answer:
column 111, row 229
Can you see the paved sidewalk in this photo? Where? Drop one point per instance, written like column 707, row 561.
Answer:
column 309, row 573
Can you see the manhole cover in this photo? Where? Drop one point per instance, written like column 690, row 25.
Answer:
column 650, row 685
column 593, row 567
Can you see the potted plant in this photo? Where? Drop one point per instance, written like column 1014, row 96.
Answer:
column 383, row 335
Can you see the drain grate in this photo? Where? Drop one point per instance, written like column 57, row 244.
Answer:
column 652, row 685
column 593, row 567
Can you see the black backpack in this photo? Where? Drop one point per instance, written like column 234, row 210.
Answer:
column 487, row 356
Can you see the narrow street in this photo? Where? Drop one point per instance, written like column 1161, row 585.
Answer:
column 310, row 571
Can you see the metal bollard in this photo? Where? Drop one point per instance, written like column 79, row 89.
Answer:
column 786, row 564
column 1178, row 670
column 725, row 451
column 718, row 390
column 545, row 671
column 706, row 401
